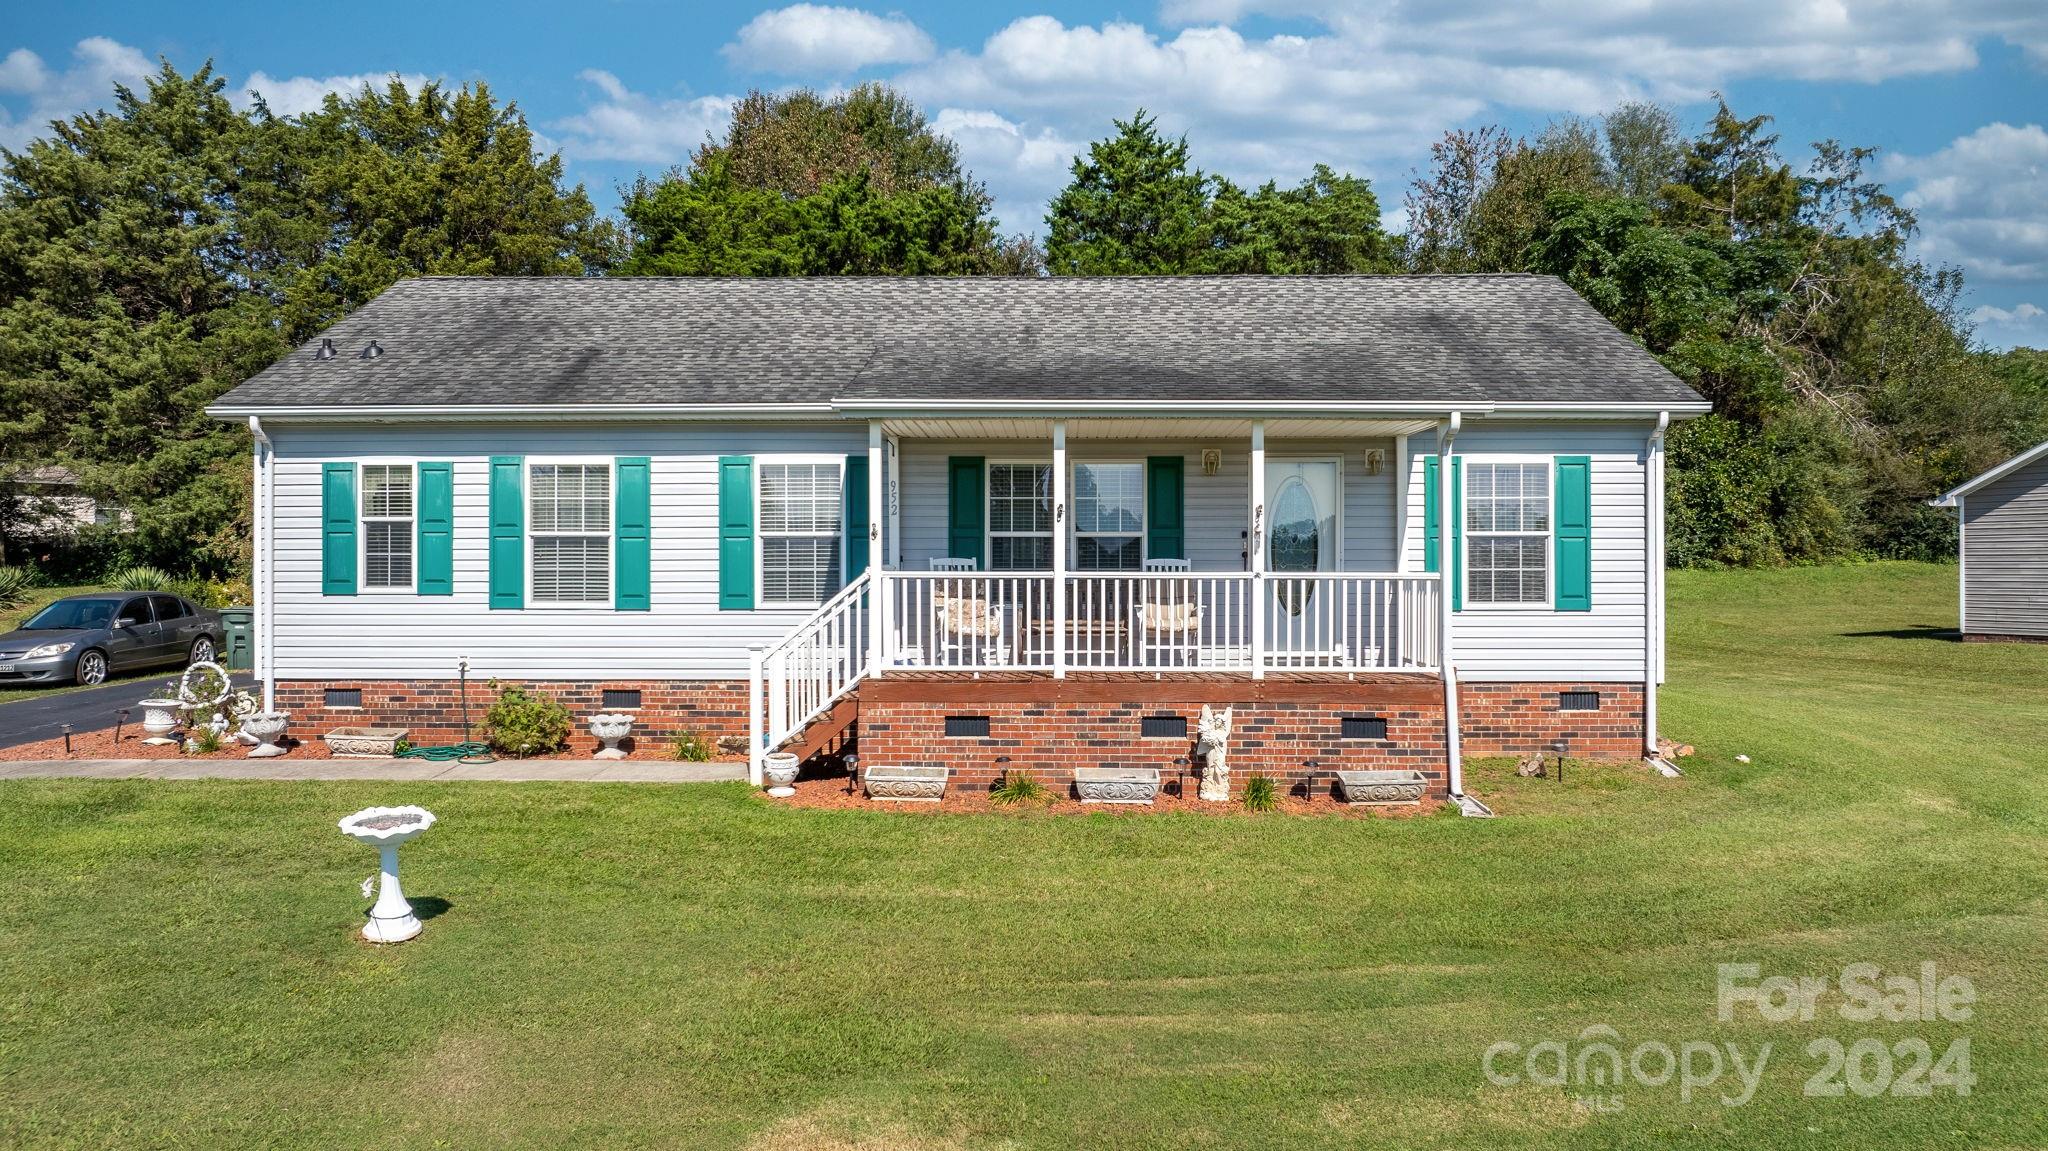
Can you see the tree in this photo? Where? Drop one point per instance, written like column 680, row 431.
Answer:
column 803, row 185
column 1644, row 147
column 1133, row 207
column 1328, row 224
column 156, row 254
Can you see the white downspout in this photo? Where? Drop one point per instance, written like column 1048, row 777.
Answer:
column 261, row 561
column 1653, row 580
column 1447, row 559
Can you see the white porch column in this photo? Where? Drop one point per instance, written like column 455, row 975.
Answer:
column 1447, row 559
column 1400, row 465
column 892, row 447
column 1059, row 549
column 1653, row 578
column 261, row 495
column 1256, row 545
column 877, row 560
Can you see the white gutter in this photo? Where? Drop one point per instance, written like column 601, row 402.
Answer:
column 262, row 561
column 501, row 413
column 1653, row 584
column 903, row 408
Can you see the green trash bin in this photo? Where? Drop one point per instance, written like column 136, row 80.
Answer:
column 239, row 626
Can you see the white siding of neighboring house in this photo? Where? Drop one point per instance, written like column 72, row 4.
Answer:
column 1604, row 644
column 2005, row 554
column 376, row 635
column 1216, row 508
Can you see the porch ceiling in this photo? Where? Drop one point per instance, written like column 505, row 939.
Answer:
column 1150, row 428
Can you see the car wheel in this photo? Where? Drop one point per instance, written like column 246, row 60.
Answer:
column 202, row 651
column 92, row 668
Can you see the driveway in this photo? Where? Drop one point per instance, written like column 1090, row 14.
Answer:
column 88, row 709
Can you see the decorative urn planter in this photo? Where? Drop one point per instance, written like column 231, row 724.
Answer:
column 916, row 784
column 384, row 828
column 780, row 769
column 609, row 730
column 266, row 728
column 1381, row 787
column 1116, row 784
column 364, row 742
column 160, row 719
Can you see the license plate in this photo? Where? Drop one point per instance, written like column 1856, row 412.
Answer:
column 6, row 669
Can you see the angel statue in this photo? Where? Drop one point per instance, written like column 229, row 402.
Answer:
column 1212, row 732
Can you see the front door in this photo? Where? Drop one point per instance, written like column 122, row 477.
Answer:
column 1302, row 499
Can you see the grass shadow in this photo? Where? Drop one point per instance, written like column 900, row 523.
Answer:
column 1945, row 634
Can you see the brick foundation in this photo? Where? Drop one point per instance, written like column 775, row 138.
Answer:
column 1518, row 718
column 1287, row 730
column 431, row 709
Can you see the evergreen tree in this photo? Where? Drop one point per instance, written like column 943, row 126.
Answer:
column 1133, row 208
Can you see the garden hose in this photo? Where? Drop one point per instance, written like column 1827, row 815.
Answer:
column 466, row 752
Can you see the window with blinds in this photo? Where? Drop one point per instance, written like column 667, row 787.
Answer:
column 1507, row 533
column 569, row 521
column 799, row 531
column 1019, row 517
column 387, row 511
column 1109, row 517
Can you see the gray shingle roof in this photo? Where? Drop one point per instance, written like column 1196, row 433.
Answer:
column 482, row 342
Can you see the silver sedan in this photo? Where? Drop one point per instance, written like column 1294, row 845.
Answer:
column 85, row 638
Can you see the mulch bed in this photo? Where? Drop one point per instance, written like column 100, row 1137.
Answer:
column 101, row 745
column 830, row 792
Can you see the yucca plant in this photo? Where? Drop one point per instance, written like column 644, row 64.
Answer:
column 1260, row 793
column 139, row 577
column 690, row 746
column 1016, row 788
column 14, row 586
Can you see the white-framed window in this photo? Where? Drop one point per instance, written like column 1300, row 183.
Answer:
column 569, row 533
column 1507, row 532
column 386, row 507
column 798, row 519
column 1019, row 516
column 1109, row 516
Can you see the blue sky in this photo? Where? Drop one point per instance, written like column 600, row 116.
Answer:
column 1955, row 94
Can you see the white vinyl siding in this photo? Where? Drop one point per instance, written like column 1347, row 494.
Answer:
column 2005, row 554
column 569, row 521
column 685, row 636
column 386, row 510
column 798, row 529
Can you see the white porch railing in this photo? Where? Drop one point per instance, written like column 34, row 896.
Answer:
column 1229, row 622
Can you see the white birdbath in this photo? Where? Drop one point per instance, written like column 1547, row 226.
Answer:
column 609, row 730
column 160, row 719
column 384, row 828
column 265, row 727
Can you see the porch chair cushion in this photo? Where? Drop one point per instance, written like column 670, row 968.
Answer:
column 1169, row 616
column 970, row 616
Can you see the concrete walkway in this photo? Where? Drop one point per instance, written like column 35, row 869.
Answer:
column 503, row 771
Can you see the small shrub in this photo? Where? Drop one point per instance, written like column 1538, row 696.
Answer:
column 204, row 741
column 520, row 724
column 207, row 593
column 690, row 746
column 139, row 577
column 1017, row 788
column 14, row 585
column 1260, row 793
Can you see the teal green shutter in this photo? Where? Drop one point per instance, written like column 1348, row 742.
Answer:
column 966, row 510
column 1457, row 533
column 735, row 533
column 854, row 496
column 1166, row 536
column 1574, row 533
column 1432, row 530
column 337, row 529
column 633, row 531
column 437, row 529
column 508, row 532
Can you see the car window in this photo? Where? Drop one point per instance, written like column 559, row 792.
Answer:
column 168, row 607
column 136, row 609
column 73, row 613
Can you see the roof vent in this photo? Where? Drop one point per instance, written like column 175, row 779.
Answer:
column 370, row 351
column 326, row 349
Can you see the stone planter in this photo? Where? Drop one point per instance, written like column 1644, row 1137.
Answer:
column 364, row 742
column 1381, row 787
column 609, row 730
column 916, row 784
column 266, row 728
column 160, row 719
column 1116, row 784
column 779, row 767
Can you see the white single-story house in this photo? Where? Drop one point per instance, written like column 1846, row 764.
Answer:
column 2003, row 518
column 994, row 524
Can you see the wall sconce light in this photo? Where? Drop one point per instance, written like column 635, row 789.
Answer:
column 1373, row 460
column 1212, row 461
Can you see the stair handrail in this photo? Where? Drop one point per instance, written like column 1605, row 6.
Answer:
column 842, row 622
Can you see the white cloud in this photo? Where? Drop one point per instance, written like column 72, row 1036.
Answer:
column 41, row 95
column 1024, row 168
column 813, row 38
column 2017, row 314
column 2022, row 325
column 298, row 95
column 626, row 125
column 1983, row 201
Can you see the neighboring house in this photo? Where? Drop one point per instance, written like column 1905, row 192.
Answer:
column 51, row 501
column 2004, row 548
column 993, row 523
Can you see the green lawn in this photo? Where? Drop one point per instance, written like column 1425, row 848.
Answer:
column 617, row 966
